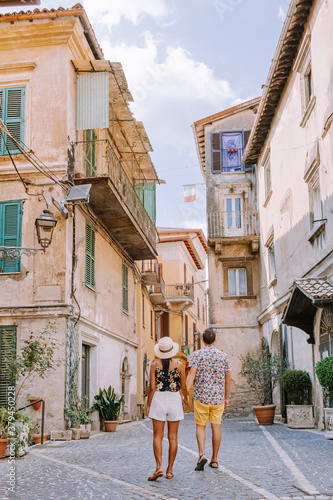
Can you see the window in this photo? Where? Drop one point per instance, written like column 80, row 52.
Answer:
column 317, row 204
column 303, row 67
column 151, row 324
column 7, row 344
column 271, row 257
column 203, row 313
column 90, row 256
column 125, row 288
column 266, row 164
column 146, row 191
column 10, row 233
column 12, row 114
column 186, row 330
column 185, row 273
column 90, row 142
column 143, row 310
column 198, row 308
column 233, row 213
column 85, row 377
column 317, row 220
column 227, row 151
column 237, row 282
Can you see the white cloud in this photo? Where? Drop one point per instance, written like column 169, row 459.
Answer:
column 110, row 12
column 172, row 92
column 281, row 13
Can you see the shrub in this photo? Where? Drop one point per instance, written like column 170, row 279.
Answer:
column 108, row 403
column 297, row 384
column 324, row 371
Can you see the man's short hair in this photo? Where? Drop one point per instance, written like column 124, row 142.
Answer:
column 209, row 336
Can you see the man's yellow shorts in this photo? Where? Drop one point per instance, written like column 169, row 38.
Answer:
column 203, row 412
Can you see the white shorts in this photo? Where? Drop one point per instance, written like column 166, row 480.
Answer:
column 166, row 405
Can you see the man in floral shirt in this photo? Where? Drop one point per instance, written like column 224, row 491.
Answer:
column 210, row 371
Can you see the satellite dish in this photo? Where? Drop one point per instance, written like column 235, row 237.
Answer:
column 79, row 194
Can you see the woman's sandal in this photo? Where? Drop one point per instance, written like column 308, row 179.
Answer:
column 158, row 473
column 213, row 466
column 169, row 474
column 201, row 463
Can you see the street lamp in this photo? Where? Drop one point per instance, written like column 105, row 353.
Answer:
column 45, row 225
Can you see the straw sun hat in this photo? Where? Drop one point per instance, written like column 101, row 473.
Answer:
column 166, row 348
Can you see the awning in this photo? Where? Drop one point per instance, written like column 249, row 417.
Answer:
column 306, row 296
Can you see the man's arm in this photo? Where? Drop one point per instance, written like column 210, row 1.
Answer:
column 190, row 377
column 227, row 389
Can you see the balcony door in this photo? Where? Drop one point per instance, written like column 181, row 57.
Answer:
column 233, row 217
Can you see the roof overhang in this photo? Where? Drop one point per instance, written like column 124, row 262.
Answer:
column 198, row 127
column 304, row 302
column 278, row 75
column 189, row 246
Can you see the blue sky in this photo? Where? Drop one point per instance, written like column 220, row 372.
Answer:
column 184, row 60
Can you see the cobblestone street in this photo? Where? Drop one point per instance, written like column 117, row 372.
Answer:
column 255, row 463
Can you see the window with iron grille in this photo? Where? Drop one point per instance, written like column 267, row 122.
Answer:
column 7, row 344
column 90, row 256
column 12, row 114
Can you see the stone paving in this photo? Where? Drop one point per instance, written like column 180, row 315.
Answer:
column 255, row 463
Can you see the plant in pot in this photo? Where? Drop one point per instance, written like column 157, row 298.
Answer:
column 4, row 431
column 297, row 384
column 263, row 374
column 36, row 436
column 108, row 404
column 80, row 419
column 36, row 358
column 324, row 371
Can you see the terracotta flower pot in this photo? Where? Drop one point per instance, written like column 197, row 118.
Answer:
column 265, row 414
column 110, row 425
column 36, row 405
column 38, row 437
column 3, row 446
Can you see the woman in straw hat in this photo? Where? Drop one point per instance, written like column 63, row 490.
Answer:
column 167, row 377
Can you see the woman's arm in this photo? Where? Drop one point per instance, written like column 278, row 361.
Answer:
column 183, row 388
column 152, row 386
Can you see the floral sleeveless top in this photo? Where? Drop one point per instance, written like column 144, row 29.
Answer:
column 170, row 383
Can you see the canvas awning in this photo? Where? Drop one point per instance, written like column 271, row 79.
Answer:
column 305, row 298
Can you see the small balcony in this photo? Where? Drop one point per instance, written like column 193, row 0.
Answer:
column 180, row 292
column 149, row 271
column 157, row 292
column 233, row 224
column 113, row 198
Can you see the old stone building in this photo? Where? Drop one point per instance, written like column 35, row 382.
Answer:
column 82, row 155
column 233, row 238
column 291, row 143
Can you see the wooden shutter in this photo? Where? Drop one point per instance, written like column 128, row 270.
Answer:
column 10, row 232
column 246, row 137
column 12, row 112
column 7, row 343
column 216, row 153
column 149, row 199
column 125, row 288
column 90, row 256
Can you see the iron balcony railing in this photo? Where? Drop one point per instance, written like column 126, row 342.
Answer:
column 158, row 288
column 232, row 223
column 97, row 159
column 179, row 291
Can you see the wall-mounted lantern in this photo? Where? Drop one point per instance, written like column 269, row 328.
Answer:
column 45, row 225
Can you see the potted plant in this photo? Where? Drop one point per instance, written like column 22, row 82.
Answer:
column 262, row 374
column 4, row 432
column 324, row 371
column 80, row 419
column 297, row 384
column 31, row 399
column 36, row 436
column 108, row 404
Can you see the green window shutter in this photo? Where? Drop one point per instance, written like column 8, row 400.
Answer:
column 12, row 114
column 125, row 287
column 90, row 138
column 7, row 343
column 146, row 191
column 90, row 256
column 10, row 232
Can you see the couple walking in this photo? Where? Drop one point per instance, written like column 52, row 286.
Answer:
column 210, row 372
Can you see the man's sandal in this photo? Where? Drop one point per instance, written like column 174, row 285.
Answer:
column 201, row 462
column 158, row 473
column 213, row 466
column 169, row 474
